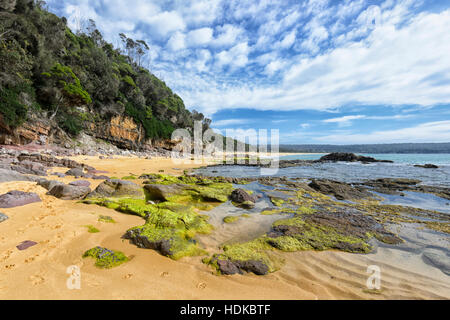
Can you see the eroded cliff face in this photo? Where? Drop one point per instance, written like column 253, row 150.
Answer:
column 121, row 131
column 34, row 130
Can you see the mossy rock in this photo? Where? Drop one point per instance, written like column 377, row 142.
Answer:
column 117, row 189
column 231, row 219
column 105, row 258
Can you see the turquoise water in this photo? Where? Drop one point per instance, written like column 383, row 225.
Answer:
column 438, row 159
column 403, row 167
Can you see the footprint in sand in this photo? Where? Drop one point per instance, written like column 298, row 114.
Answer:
column 10, row 267
column 37, row 280
column 164, row 274
column 128, row 276
column 201, row 286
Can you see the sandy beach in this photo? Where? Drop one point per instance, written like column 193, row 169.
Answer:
column 59, row 228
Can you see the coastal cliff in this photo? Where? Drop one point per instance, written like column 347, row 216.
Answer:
column 56, row 84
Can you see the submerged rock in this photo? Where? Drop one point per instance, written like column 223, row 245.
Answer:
column 427, row 166
column 349, row 157
column 116, row 189
column 18, row 198
column 69, row 192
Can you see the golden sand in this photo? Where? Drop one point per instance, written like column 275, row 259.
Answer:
column 59, row 228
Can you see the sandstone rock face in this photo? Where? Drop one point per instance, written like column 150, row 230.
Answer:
column 18, row 198
column 117, row 188
column 122, row 131
column 68, row 192
column 30, row 131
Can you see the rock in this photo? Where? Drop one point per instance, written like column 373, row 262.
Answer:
column 227, row 267
column 18, row 198
column 80, row 183
column 59, row 175
column 257, row 267
column 163, row 246
column 100, row 177
column 68, row 192
column 26, row 244
column 29, row 167
column 7, row 175
column 241, row 196
column 117, row 188
column 3, row 217
column 427, row 166
column 349, row 157
column 437, row 259
column 49, row 184
column 340, row 190
column 75, row 172
column 164, row 192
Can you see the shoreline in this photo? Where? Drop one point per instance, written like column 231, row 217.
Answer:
column 59, row 228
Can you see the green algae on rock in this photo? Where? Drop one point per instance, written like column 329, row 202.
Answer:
column 231, row 219
column 117, row 189
column 106, row 258
column 92, row 229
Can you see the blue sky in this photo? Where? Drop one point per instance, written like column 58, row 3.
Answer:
column 320, row 71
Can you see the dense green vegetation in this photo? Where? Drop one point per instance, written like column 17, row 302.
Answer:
column 75, row 79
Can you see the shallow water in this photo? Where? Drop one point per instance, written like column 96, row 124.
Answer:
column 347, row 172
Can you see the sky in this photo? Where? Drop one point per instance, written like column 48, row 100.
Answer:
column 320, row 71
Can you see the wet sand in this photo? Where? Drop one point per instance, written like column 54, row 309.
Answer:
column 59, row 228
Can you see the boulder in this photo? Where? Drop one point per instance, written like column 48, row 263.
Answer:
column 7, row 175
column 340, row 190
column 227, row 267
column 75, row 172
column 80, row 183
column 18, row 198
column 241, row 196
column 257, row 267
column 49, row 184
column 117, row 188
column 68, row 192
column 163, row 192
column 3, row 217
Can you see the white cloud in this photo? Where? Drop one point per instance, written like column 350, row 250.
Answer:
column 427, row 132
column 177, row 41
column 229, row 122
column 199, row 37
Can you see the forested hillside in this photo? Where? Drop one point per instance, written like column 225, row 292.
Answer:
column 57, row 83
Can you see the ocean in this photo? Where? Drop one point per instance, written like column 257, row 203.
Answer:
column 403, row 167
